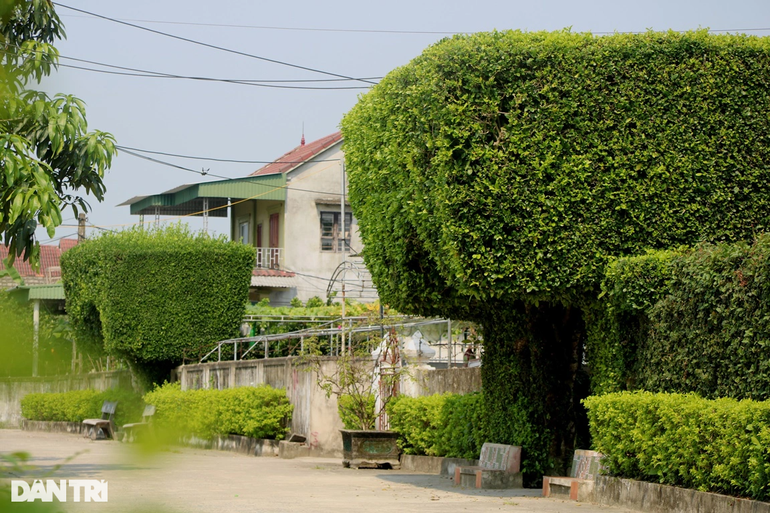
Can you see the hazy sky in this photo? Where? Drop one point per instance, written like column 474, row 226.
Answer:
column 245, row 122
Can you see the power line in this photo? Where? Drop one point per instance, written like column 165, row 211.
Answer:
column 152, row 74
column 206, row 173
column 215, row 47
column 169, row 164
column 212, row 159
column 297, row 29
column 296, row 80
column 368, row 31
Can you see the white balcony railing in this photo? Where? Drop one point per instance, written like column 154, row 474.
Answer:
column 269, row 258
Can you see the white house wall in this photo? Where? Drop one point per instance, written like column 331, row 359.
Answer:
column 302, row 228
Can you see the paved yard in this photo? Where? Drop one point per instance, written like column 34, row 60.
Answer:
column 191, row 480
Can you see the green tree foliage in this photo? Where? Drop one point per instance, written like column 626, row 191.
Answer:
column 683, row 440
column 47, row 154
column 496, row 175
column 156, row 297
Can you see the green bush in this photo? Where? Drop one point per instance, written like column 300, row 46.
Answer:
column 618, row 323
column 685, row 321
column 257, row 412
column 157, row 296
column 683, row 440
column 76, row 405
column 450, row 425
column 349, row 406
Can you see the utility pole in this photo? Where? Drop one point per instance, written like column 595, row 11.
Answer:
column 81, row 227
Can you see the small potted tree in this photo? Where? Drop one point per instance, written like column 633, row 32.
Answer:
column 364, row 383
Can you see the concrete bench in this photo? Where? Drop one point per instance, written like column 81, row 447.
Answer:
column 579, row 486
column 130, row 431
column 104, row 427
column 499, row 467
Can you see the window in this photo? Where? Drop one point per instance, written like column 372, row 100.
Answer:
column 331, row 231
column 243, row 232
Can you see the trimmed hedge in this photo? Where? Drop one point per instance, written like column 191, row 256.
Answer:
column 686, row 321
column 157, row 296
column 683, row 440
column 495, row 176
column 257, row 412
column 450, row 425
column 618, row 323
column 76, row 405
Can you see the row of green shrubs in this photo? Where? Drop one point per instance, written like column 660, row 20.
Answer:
column 719, row 445
column 258, row 412
column 77, row 405
column 450, row 425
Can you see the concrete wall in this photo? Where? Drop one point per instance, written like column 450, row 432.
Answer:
column 12, row 390
column 315, row 415
column 460, row 380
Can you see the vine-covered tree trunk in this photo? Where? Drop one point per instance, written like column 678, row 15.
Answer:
column 532, row 383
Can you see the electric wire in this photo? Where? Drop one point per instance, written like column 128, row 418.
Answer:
column 365, row 31
column 213, row 159
column 207, row 79
column 215, row 47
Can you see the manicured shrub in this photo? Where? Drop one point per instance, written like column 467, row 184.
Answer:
column 496, row 174
column 257, row 412
column 157, row 296
column 451, row 425
column 76, row 405
column 685, row 321
column 684, row 440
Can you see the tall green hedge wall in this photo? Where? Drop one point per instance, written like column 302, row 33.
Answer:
column 697, row 321
column 497, row 174
column 157, row 296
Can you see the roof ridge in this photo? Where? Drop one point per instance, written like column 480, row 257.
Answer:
column 303, row 152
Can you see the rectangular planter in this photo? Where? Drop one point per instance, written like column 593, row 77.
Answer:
column 370, row 449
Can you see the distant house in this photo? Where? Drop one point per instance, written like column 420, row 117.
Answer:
column 49, row 271
column 291, row 211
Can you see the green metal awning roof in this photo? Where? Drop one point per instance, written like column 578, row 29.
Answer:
column 188, row 199
column 32, row 292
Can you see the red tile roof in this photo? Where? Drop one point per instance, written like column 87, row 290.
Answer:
column 49, row 257
column 298, row 155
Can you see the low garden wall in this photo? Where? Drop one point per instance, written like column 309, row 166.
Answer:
column 13, row 390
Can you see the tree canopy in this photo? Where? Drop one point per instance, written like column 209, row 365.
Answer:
column 48, row 158
column 512, row 165
column 496, row 175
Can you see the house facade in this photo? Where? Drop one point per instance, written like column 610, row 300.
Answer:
column 294, row 212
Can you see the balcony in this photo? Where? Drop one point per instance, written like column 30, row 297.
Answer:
column 269, row 258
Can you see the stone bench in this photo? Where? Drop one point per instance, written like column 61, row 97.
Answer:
column 135, row 429
column 579, row 486
column 499, row 467
column 98, row 429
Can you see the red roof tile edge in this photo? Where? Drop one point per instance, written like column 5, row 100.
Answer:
column 298, row 155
